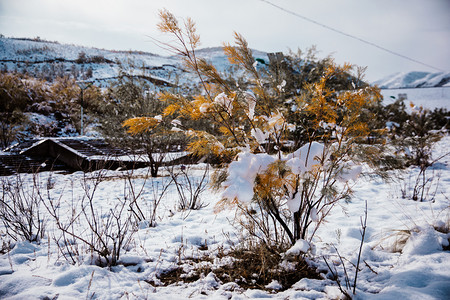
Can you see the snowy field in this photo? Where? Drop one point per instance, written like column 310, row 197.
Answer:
column 430, row 98
column 418, row 269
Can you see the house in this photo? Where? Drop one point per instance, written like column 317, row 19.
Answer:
column 70, row 154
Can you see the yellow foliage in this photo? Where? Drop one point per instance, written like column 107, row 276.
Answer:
column 204, row 144
column 240, row 55
column 275, row 182
column 197, row 107
column 210, row 72
column 224, row 130
column 194, row 38
column 168, row 22
column 226, row 203
column 140, row 124
column 177, row 105
column 171, row 109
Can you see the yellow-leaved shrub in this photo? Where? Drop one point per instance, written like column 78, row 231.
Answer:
column 291, row 195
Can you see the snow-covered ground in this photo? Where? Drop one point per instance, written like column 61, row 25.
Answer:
column 430, row 98
column 419, row 271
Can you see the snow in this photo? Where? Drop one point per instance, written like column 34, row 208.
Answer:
column 300, row 246
column 162, row 157
column 259, row 135
column 274, row 285
column 16, row 49
column 225, row 102
column 294, row 203
column 305, row 158
column 251, row 100
column 350, row 172
column 426, row 241
column 242, row 174
column 42, row 54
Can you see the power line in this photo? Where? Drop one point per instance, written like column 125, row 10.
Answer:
column 349, row 35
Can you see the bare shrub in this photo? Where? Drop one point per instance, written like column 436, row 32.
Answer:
column 420, row 187
column 19, row 210
column 104, row 233
column 417, row 138
column 188, row 186
column 349, row 287
column 144, row 210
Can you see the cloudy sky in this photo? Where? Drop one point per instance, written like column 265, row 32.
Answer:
column 416, row 29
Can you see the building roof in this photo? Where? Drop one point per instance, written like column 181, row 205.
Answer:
column 69, row 154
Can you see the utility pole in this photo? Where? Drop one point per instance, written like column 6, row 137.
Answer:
column 83, row 86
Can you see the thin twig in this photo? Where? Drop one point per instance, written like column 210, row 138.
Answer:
column 363, row 233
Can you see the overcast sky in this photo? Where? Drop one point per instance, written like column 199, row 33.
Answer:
column 418, row 29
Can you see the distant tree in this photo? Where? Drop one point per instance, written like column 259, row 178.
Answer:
column 82, row 58
column 14, row 99
column 74, row 71
column 128, row 98
column 65, row 95
column 89, row 73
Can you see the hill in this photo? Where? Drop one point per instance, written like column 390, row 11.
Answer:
column 47, row 60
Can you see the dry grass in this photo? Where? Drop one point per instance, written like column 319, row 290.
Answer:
column 250, row 269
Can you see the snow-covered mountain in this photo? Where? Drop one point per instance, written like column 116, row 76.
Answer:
column 45, row 59
column 414, row 80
